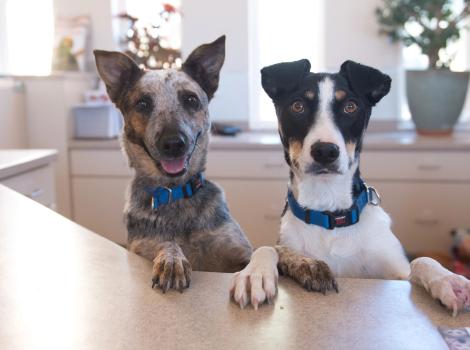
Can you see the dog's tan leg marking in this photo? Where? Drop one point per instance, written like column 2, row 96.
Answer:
column 171, row 269
column 451, row 289
column 313, row 275
column 257, row 282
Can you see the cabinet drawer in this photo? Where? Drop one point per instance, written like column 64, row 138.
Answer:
column 379, row 165
column 37, row 184
column 247, row 164
column 99, row 162
column 98, row 204
column 424, row 214
column 257, row 206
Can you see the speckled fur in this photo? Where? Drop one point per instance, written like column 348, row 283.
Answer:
column 195, row 233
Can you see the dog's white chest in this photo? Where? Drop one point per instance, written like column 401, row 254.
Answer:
column 352, row 251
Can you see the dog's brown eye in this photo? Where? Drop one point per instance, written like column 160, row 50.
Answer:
column 143, row 105
column 350, row 107
column 191, row 101
column 297, row 107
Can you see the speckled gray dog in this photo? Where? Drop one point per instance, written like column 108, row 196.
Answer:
column 165, row 137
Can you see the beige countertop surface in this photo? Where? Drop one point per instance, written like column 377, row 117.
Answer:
column 16, row 161
column 267, row 140
column 64, row 287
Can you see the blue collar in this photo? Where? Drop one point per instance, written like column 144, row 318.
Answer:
column 340, row 218
column 165, row 195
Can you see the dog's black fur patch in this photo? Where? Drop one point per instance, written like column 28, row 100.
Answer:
column 288, row 82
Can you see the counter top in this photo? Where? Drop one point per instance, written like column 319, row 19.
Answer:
column 64, row 287
column 267, row 140
column 16, row 161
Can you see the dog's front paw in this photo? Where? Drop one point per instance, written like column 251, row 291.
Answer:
column 257, row 282
column 453, row 291
column 450, row 289
column 313, row 275
column 170, row 271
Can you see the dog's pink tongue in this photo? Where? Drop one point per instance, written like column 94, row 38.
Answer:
column 173, row 166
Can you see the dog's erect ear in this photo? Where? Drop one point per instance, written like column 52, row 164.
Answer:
column 366, row 81
column 283, row 77
column 204, row 65
column 117, row 71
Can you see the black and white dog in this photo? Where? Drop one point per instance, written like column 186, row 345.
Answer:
column 333, row 225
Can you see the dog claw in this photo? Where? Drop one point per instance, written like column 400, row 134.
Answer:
column 171, row 272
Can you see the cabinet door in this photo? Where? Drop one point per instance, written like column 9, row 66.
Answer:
column 98, row 204
column 37, row 184
column 423, row 214
column 257, row 206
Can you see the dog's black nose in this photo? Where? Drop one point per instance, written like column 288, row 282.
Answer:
column 173, row 146
column 325, row 152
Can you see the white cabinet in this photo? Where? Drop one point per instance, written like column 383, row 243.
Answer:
column 257, row 205
column 423, row 214
column 255, row 184
column 98, row 204
column 30, row 172
column 426, row 193
column 99, row 181
column 37, row 184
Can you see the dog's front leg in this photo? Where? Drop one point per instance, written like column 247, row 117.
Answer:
column 257, row 282
column 451, row 289
column 171, row 269
column 314, row 275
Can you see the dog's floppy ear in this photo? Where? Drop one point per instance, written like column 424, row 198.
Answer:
column 204, row 65
column 117, row 70
column 283, row 77
column 366, row 81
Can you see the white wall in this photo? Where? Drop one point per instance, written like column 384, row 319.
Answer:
column 12, row 114
column 204, row 21
column 350, row 32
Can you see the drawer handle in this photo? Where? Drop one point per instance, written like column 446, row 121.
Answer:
column 36, row 193
column 273, row 165
column 429, row 167
column 427, row 222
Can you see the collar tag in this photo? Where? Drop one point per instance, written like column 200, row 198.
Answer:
column 373, row 196
column 340, row 220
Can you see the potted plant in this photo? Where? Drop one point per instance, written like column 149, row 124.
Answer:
column 435, row 96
